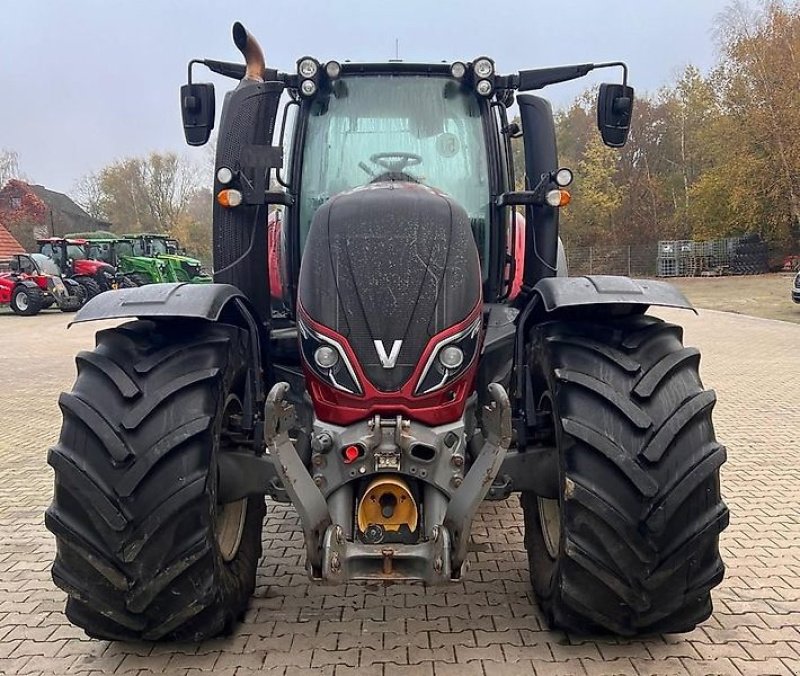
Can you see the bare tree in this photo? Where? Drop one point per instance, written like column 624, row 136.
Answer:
column 88, row 193
column 9, row 166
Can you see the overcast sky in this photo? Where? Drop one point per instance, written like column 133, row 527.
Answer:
column 85, row 82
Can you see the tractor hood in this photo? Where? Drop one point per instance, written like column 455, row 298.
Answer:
column 387, row 267
column 91, row 267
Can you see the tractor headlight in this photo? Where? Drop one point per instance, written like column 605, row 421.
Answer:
column 328, row 360
column 483, row 68
column 458, row 70
column 563, row 177
column 308, row 87
column 224, row 175
column 484, row 87
column 326, row 357
column 307, row 67
column 450, row 357
column 333, row 69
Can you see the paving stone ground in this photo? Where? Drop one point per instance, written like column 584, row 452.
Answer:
column 486, row 625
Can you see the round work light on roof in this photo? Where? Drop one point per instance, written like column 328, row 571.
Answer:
column 333, row 69
column 307, row 67
column 308, row 87
column 484, row 88
column 483, row 67
column 458, row 70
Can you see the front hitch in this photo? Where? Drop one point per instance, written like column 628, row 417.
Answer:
column 334, row 556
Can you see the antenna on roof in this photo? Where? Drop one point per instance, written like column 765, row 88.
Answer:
column 396, row 51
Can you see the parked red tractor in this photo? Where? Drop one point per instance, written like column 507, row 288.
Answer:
column 72, row 256
column 396, row 384
column 34, row 283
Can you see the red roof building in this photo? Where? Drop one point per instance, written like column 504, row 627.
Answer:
column 8, row 245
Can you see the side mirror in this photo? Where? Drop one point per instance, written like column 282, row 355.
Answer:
column 614, row 111
column 197, row 110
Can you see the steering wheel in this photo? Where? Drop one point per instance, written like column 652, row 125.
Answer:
column 401, row 160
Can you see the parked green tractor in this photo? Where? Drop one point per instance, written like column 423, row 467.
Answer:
column 180, row 268
column 123, row 255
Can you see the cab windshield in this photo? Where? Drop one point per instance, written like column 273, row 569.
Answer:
column 101, row 251
column 420, row 128
column 158, row 247
column 124, row 248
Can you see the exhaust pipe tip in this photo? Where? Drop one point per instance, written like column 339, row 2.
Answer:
column 239, row 36
column 253, row 54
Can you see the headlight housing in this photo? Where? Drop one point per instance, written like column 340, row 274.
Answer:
column 450, row 358
column 483, row 67
column 328, row 360
column 307, row 67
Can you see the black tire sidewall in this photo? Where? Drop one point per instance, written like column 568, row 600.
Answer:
column 34, row 301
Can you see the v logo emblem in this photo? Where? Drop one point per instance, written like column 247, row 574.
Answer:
column 388, row 360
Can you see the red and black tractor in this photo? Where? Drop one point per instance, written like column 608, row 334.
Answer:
column 397, row 378
column 34, row 283
column 73, row 258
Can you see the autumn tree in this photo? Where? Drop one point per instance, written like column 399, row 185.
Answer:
column 26, row 215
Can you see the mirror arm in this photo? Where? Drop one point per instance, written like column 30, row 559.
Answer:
column 616, row 64
column 529, row 80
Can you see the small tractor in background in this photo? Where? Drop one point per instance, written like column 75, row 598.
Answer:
column 419, row 357
column 73, row 259
column 34, row 283
column 132, row 270
column 180, row 267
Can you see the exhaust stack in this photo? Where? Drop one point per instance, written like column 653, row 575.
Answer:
column 252, row 52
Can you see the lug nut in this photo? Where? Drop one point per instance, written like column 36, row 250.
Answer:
column 318, row 460
column 456, row 481
column 335, row 562
column 319, row 480
column 457, row 460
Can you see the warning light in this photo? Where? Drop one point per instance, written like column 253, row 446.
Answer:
column 351, row 454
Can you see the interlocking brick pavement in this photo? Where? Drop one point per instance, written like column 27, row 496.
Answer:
column 485, row 625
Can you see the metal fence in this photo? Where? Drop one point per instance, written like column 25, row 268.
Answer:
column 632, row 260
column 677, row 258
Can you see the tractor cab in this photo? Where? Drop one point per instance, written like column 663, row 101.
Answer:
column 177, row 267
column 74, row 259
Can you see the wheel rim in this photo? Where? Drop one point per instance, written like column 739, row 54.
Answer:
column 22, row 301
column 231, row 516
column 550, row 523
column 550, row 510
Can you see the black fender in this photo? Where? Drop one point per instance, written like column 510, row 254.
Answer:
column 29, row 283
column 556, row 293
column 152, row 301
column 550, row 295
column 211, row 302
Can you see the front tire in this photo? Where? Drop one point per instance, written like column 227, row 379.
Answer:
column 90, row 286
column 143, row 549
column 27, row 300
column 632, row 543
column 140, row 278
